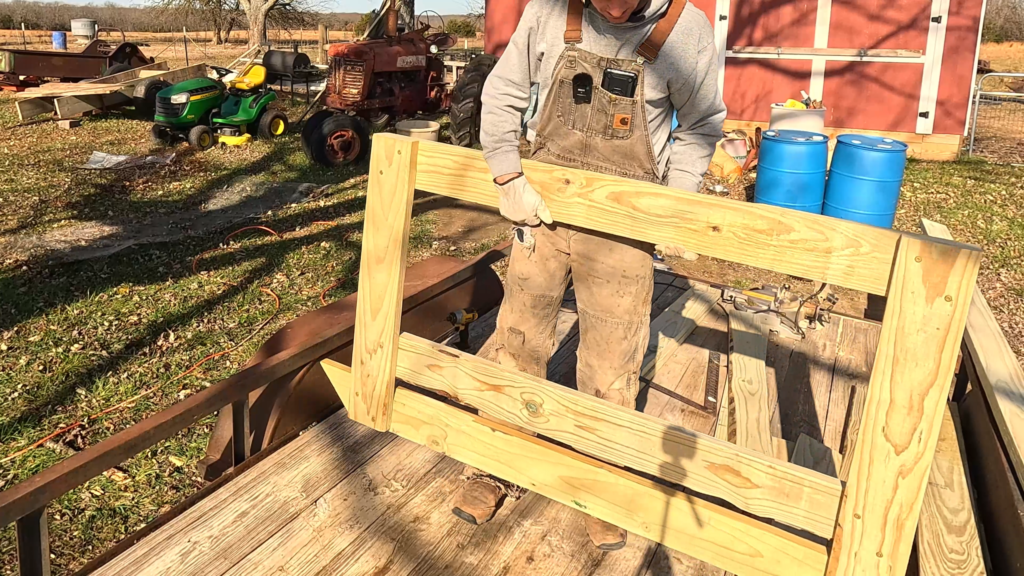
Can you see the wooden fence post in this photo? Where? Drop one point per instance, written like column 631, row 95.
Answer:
column 929, row 294
column 321, row 45
column 388, row 212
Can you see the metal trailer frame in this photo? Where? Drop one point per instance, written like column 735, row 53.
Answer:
column 870, row 522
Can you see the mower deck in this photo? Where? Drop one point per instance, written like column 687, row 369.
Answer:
column 344, row 499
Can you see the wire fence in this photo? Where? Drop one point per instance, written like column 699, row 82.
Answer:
column 997, row 125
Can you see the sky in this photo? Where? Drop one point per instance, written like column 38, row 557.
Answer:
column 441, row 6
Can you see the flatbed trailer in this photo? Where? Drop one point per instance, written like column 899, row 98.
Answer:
column 843, row 452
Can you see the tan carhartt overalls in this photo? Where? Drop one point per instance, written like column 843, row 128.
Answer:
column 613, row 277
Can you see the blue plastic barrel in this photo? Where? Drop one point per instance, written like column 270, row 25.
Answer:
column 791, row 170
column 60, row 40
column 865, row 178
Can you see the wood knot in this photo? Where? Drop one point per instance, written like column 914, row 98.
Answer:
column 716, row 230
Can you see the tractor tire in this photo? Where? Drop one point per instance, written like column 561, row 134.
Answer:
column 465, row 110
column 117, row 69
column 273, row 123
column 340, row 140
column 312, row 126
column 144, row 97
column 160, row 135
column 201, row 138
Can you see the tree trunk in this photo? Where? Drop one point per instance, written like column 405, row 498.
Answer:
column 228, row 28
column 406, row 10
column 257, row 27
column 256, row 14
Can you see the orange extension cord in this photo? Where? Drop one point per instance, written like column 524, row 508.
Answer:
column 148, row 391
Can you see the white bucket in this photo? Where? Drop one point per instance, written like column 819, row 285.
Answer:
column 810, row 120
column 418, row 129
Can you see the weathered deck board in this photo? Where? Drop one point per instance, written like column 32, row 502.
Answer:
column 222, row 529
column 803, row 396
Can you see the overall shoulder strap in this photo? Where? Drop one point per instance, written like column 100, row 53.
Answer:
column 574, row 22
column 650, row 47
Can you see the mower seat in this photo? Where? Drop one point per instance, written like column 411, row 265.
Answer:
column 252, row 79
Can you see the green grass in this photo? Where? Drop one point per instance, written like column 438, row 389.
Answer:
column 76, row 338
column 982, row 204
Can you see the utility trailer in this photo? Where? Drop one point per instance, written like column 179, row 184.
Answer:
column 840, row 453
column 20, row 69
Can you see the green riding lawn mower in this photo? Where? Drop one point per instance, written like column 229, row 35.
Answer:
column 204, row 111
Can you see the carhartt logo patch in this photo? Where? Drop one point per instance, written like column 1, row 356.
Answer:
column 622, row 120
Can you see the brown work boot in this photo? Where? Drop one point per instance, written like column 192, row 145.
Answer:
column 477, row 501
column 605, row 536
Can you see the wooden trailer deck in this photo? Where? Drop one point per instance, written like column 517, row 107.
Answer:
column 344, row 499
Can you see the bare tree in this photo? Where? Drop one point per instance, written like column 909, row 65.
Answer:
column 223, row 15
column 1004, row 21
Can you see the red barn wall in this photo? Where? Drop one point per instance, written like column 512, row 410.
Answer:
column 958, row 66
column 872, row 95
column 883, row 96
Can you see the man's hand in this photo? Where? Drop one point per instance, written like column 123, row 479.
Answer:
column 519, row 202
column 676, row 251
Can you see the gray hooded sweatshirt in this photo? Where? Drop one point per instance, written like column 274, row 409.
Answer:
column 683, row 80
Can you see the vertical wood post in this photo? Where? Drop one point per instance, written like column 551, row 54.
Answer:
column 929, row 294
column 389, row 197
column 33, row 544
column 321, row 45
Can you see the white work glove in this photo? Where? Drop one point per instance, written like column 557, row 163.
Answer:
column 521, row 204
column 676, row 251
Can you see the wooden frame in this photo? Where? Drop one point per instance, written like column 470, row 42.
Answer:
column 871, row 521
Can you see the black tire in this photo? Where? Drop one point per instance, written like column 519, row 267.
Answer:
column 339, row 140
column 465, row 110
column 145, row 93
column 117, row 69
column 311, row 126
column 273, row 123
column 201, row 138
column 161, row 135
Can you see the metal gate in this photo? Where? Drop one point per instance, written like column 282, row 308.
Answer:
column 997, row 124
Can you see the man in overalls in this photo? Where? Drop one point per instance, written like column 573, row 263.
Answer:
column 611, row 75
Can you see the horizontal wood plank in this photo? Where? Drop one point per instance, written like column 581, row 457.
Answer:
column 830, row 250
column 793, row 50
column 755, row 483
column 706, row 531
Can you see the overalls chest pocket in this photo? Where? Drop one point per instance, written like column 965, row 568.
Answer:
column 613, row 116
column 570, row 114
column 606, row 115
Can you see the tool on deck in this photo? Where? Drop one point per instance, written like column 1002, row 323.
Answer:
column 784, row 308
column 710, row 405
column 460, row 320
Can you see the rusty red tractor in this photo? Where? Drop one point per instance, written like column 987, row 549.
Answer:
column 371, row 84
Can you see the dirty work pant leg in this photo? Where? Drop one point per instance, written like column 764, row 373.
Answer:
column 613, row 280
column 534, row 287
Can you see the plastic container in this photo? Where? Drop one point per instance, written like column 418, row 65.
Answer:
column 791, row 170
column 865, row 179
column 60, row 40
column 809, row 120
column 418, row 129
column 83, row 29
